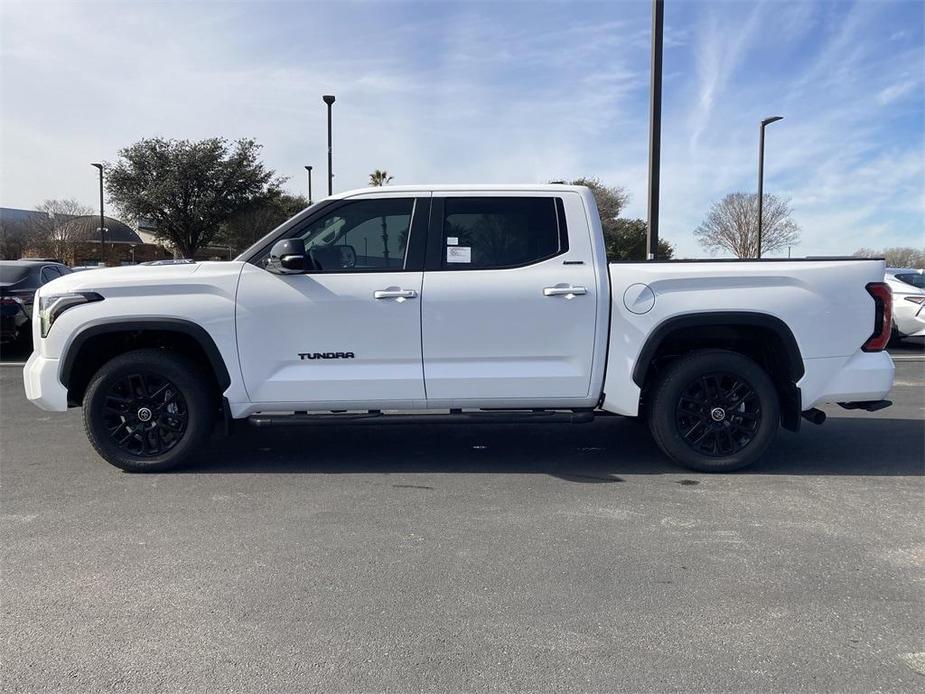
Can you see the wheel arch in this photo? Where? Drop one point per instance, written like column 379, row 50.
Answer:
column 761, row 336
column 99, row 343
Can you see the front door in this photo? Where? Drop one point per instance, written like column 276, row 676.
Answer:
column 348, row 332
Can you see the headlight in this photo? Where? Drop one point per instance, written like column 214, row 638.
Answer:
column 53, row 305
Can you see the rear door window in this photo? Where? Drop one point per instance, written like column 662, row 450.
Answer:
column 482, row 233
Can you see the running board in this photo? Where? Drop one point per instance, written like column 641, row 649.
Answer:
column 502, row 417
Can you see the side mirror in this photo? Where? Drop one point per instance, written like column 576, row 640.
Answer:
column 287, row 257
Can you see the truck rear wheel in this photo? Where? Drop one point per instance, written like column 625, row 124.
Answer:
column 714, row 411
column 148, row 410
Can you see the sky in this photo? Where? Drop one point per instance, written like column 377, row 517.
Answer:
column 491, row 92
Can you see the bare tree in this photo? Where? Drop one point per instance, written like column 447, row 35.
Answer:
column 896, row 257
column 732, row 225
column 60, row 229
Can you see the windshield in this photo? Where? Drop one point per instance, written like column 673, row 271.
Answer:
column 914, row 278
column 11, row 274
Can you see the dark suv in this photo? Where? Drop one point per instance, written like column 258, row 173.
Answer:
column 19, row 279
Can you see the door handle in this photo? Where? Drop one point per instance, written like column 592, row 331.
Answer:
column 394, row 294
column 564, row 291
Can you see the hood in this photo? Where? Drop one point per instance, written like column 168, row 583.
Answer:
column 136, row 276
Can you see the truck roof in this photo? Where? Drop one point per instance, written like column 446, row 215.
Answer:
column 462, row 187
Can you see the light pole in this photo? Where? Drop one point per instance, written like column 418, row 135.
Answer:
column 102, row 219
column 765, row 123
column 655, row 126
column 329, row 100
column 309, row 169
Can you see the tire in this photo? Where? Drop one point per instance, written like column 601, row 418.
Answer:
column 148, row 410
column 714, row 411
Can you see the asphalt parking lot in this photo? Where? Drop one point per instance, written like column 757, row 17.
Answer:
column 447, row 559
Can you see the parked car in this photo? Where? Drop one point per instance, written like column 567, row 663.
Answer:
column 908, row 287
column 484, row 303
column 19, row 280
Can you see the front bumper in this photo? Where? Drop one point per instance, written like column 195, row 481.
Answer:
column 44, row 390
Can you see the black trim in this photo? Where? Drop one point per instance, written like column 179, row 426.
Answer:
column 197, row 332
column 867, row 405
column 417, row 235
column 434, row 256
column 719, row 319
column 742, row 260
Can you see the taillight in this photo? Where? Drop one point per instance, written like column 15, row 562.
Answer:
column 883, row 316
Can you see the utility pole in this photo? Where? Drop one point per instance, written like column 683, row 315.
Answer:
column 329, row 100
column 655, row 126
column 309, row 169
column 102, row 218
column 765, row 123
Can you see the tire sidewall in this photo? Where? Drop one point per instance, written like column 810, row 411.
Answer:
column 183, row 374
column 679, row 375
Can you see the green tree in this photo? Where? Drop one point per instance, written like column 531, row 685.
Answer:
column 379, row 178
column 732, row 225
column 625, row 239
column 189, row 189
column 259, row 218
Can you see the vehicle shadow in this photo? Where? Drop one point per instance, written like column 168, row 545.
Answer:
column 595, row 453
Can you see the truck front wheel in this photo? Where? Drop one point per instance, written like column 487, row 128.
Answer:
column 714, row 411
column 147, row 410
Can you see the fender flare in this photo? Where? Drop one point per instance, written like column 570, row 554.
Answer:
column 794, row 359
column 177, row 325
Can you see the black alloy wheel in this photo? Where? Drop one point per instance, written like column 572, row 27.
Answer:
column 145, row 414
column 714, row 410
column 718, row 414
column 148, row 410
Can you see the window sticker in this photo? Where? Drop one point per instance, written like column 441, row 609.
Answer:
column 459, row 254
column 452, row 240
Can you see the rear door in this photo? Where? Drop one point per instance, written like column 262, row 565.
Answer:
column 348, row 333
column 509, row 301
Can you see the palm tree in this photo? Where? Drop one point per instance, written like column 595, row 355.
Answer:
column 379, row 178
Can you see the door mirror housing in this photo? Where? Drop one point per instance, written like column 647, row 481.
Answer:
column 287, row 257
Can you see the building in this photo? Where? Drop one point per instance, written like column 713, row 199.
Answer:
column 74, row 240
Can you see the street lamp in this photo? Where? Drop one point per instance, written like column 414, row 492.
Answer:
column 765, row 123
column 102, row 219
column 309, row 169
column 655, row 126
column 329, row 100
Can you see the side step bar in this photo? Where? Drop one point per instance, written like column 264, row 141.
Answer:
column 500, row 417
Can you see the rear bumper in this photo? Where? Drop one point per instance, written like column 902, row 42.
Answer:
column 44, row 390
column 864, row 377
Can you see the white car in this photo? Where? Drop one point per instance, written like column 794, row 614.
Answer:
column 908, row 287
column 475, row 303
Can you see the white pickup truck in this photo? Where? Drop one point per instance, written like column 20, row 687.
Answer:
column 466, row 303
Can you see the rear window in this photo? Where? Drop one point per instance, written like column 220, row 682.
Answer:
column 11, row 274
column 914, row 278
